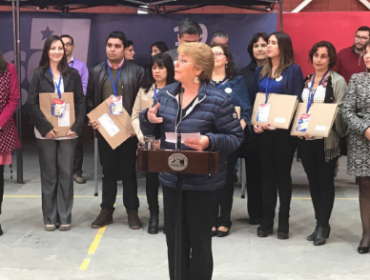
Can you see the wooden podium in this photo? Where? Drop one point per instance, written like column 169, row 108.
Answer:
column 179, row 162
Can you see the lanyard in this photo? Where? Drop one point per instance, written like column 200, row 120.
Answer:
column 155, row 92
column 268, row 89
column 57, row 85
column 311, row 96
column 114, row 85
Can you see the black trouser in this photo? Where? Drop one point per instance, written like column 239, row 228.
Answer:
column 276, row 155
column 78, row 158
column 320, row 175
column 226, row 194
column 152, row 185
column 1, row 185
column 199, row 212
column 249, row 151
column 119, row 163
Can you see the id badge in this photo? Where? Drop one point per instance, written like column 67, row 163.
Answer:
column 303, row 122
column 57, row 108
column 263, row 112
column 116, row 105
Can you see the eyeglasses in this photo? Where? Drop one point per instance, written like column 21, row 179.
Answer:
column 68, row 44
column 360, row 38
column 217, row 54
column 181, row 61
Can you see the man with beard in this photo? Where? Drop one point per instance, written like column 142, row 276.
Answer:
column 350, row 60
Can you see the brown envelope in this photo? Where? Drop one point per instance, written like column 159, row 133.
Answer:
column 281, row 111
column 322, row 119
column 115, row 129
column 64, row 123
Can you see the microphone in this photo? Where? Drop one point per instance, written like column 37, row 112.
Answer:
column 178, row 127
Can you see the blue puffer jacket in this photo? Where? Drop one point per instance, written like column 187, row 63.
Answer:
column 237, row 89
column 212, row 114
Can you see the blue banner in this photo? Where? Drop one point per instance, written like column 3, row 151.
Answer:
column 91, row 30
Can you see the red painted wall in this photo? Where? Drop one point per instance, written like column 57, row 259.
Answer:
column 288, row 6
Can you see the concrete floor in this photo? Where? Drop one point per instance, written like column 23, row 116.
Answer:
column 27, row 251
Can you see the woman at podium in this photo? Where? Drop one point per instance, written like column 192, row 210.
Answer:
column 192, row 105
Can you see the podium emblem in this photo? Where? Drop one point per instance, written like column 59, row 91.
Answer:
column 178, row 162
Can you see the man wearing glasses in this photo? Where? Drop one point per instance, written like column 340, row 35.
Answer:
column 84, row 73
column 350, row 59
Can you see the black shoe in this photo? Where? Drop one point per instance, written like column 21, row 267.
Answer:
column 363, row 249
column 264, row 232
column 223, row 233
column 254, row 221
column 283, row 229
column 134, row 221
column 322, row 234
column 312, row 236
column 104, row 218
column 1, row 230
column 153, row 224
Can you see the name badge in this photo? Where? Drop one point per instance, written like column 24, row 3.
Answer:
column 57, row 108
column 263, row 112
column 116, row 105
column 303, row 122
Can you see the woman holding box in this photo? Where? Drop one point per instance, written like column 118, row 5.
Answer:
column 356, row 113
column 56, row 153
column 161, row 74
column 279, row 75
column 319, row 155
column 225, row 78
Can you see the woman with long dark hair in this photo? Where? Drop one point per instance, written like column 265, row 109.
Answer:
column 279, row 75
column 319, row 155
column 56, row 153
column 226, row 78
column 161, row 74
column 9, row 95
column 158, row 47
column 356, row 112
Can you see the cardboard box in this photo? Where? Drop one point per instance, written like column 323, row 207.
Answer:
column 64, row 123
column 115, row 129
column 237, row 109
column 282, row 108
column 321, row 122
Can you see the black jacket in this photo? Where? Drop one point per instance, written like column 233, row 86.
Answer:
column 131, row 78
column 248, row 74
column 42, row 82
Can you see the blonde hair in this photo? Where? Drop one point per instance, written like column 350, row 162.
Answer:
column 203, row 58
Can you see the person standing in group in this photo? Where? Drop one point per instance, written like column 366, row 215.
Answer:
column 319, row 155
column 350, row 60
column 9, row 96
column 162, row 73
column 129, row 51
column 56, row 153
column 158, row 47
column 189, row 32
column 225, row 77
column 84, row 73
column 122, row 78
column 211, row 112
column 221, row 37
column 356, row 112
column 279, row 75
column 257, row 49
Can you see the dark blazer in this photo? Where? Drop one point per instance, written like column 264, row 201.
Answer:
column 42, row 82
column 131, row 77
column 291, row 84
column 212, row 114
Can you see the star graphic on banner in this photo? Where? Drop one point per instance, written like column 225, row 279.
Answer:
column 46, row 33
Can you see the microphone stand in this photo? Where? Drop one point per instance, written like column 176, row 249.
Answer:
column 178, row 213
